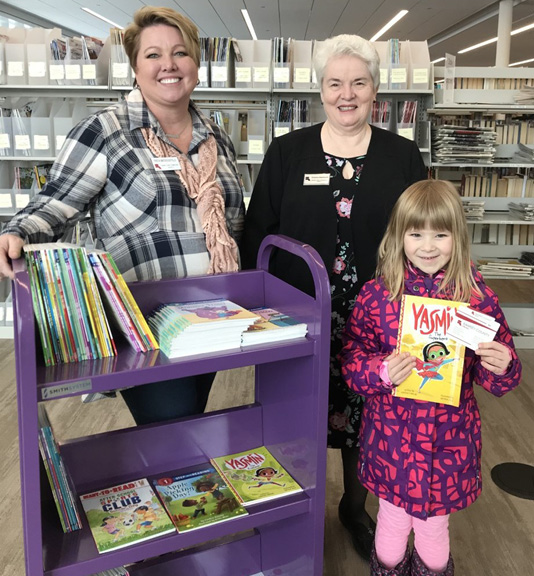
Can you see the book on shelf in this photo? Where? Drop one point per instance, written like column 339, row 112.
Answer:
column 57, row 475
column 124, row 515
column 255, row 475
column 274, row 326
column 67, row 305
column 75, row 294
column 120, row 303
column 196, row 498
column 113, row 572
column 423, row 325
column 505, row 267
column 185, row 328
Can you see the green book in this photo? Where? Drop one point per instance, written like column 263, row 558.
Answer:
column 255, row 475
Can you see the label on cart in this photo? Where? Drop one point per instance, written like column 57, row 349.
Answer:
column 66, row 389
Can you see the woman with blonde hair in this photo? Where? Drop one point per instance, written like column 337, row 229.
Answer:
column 159, row 180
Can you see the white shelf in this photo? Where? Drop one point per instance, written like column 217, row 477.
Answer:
column 6, row 332
column 479, row 165
column 500, row 218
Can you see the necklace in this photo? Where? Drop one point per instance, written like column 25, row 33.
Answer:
column 179, row 133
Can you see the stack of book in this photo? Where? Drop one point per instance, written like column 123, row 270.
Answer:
column 523, row 154
column 120, row 303
column 274, row 326
column 505, row 268
column 57, row 474
column 67, row 305
column 73, row 292
column 453, row 144
column 473, row 210
column 522, row 210
column 186, row 328
column 113, row 572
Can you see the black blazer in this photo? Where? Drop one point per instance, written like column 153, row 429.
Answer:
column 282, row 204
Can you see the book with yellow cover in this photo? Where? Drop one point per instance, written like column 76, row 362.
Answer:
column 423, row 332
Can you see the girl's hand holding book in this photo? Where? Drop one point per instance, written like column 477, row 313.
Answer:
column 398, row 367
column 494, row 356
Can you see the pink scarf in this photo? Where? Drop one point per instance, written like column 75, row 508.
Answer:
column 202, row 187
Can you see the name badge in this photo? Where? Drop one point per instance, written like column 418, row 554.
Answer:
column 316, row 179
column 165, row 164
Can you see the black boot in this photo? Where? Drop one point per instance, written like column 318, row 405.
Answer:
column 362, row 536
column 419, row 569
column 402, row 568
column 352, row 513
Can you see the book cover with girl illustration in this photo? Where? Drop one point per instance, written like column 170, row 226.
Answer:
column 423, row 332
column 197, row 498
column 126, row 514
column 255, row 475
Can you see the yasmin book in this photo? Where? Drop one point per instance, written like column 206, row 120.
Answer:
column 255, row 475
column 423, row 332
column 126, row 514
column 197, row 498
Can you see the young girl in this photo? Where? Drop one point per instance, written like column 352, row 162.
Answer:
column 422, row 459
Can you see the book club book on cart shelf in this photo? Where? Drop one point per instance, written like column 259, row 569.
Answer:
column 125, row 514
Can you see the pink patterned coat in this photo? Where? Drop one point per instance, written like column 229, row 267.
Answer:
column 422, row 456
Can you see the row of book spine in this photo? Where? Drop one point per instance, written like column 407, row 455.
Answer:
column 502, row 234
column 71, row 291
column 496, row 185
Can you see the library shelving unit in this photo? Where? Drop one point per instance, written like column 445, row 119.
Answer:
column 520, row 316
column 289, row 416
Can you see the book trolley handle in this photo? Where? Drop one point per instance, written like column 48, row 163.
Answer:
column 304, row 251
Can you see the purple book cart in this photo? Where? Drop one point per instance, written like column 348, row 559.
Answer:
column 280, row 537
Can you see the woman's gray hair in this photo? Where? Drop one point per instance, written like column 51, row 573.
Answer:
column 351, row 45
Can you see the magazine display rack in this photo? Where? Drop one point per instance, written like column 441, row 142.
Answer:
column 289, row 416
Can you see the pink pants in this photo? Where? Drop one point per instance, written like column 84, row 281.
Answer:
column 431, row 537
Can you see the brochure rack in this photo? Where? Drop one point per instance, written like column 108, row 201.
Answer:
column 289, row 416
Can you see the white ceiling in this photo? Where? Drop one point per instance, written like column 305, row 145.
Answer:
column 430, row 20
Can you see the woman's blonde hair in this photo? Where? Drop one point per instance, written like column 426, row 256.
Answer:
column 433, row 204
column 152, row 15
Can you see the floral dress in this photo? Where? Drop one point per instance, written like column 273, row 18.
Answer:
column 344, row 406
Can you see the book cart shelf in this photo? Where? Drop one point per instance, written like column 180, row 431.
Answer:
column 289, row 416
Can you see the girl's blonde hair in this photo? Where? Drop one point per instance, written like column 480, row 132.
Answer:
column 433, row 204
column 153, row 15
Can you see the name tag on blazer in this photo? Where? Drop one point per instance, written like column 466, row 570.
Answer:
column 316, row 179
column 165, row 163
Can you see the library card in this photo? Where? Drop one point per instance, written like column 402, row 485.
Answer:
column 470, row 327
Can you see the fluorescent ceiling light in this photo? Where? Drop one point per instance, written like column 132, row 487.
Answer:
column 491, row 40
column 248, row 22
column 522, row 62
column 97, row 15
column 438, row 60
column 393, row 21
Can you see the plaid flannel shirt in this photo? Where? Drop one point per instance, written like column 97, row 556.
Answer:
column 142, row 216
